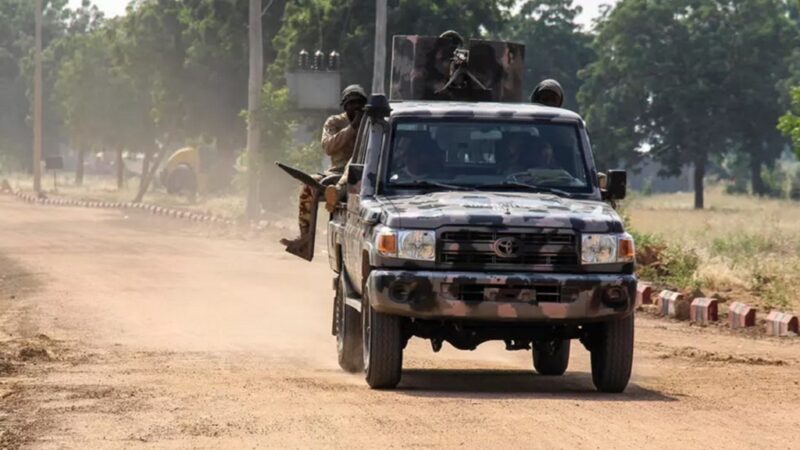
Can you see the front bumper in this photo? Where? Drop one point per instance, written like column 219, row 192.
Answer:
column 517, row 297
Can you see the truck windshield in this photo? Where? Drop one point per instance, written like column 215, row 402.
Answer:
column 490, row 154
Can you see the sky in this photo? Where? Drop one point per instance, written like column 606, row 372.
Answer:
column 591, row 8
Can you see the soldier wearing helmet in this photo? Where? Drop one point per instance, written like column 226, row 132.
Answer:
column 548, row 93
column 338, row 140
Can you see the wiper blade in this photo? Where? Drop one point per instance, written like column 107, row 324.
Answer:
column 436, row 184
column 527, row 187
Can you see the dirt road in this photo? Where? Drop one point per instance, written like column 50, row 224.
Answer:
column 165, row 338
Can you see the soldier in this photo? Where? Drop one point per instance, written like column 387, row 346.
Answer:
column 548, row 93
column 338, row 139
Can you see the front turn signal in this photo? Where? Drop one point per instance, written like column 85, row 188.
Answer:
column 627, row 250
column 387, row 244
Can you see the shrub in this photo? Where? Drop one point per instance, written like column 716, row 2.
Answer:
column 775, row 181
column 794, row 186
column 665, row 263
column 736, row 186
column 771, row 286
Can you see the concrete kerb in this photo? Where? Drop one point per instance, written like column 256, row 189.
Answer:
column 782, row 324
column 672, row 304
column 204, row 216
column 741, row 315
column 644, row 293
column 704, row 310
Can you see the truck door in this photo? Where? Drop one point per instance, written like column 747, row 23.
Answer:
column 354, row 227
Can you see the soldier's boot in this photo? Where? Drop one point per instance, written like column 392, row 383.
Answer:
column 304, row 221
column 298, row 244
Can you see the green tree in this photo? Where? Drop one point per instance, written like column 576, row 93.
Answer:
column 100, row 107
column 762, row 38
column 555, row 45
column 216, row 62
column 16, row 75
column 684, row 79
column 789, row 123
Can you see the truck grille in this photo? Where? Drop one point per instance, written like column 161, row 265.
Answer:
column 539, row 249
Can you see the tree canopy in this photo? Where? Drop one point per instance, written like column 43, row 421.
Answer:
column 555, row 46
column 686, row 80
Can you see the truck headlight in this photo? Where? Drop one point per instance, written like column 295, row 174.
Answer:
column 607, row 248
column 407, row 244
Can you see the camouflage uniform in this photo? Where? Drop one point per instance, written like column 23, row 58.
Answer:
column 338, row 141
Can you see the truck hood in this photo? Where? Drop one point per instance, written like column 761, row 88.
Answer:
column 506, row 209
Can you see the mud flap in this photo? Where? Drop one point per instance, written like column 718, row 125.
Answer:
column 306, row 251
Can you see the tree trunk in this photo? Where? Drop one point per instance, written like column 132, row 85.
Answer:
column 37, row 104
column 755, row 177
column 699, row 174
column 255, row 83
column 79, row 168
column 148, row 156
column 120, row 169
column 147, row 176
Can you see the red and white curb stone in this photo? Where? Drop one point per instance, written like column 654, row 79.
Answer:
column 704, row 310
column 672, row 304
column 153, row 209
column 644, row 294
column 741, row 315
column 781, row 324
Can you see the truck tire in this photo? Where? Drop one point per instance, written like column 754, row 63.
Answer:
column 612, row 354
column 348, row 332
column 552, row 363
column 383, row 347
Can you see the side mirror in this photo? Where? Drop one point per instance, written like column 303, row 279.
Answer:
column 617, row 184
column 354, row 173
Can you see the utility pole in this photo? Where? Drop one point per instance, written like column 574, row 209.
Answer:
column 379, row 67
column 37, row 104
column 253, row 101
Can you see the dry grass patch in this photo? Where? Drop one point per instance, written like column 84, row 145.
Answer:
column 747, row 246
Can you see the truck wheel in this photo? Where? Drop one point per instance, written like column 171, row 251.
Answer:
column 552, row 361
column 383, row 347
column 612, row 354
column 348, row 332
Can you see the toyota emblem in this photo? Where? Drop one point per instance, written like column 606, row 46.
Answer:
column 507, row 247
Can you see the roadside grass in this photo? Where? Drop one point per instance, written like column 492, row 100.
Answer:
column 741, row 247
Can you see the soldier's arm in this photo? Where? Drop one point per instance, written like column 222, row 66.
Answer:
column 336, row 140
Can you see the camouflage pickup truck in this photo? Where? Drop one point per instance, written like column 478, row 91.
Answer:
column 470, row 221
column 446, row 234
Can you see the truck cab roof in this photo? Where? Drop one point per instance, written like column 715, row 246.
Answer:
column 482, row 110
